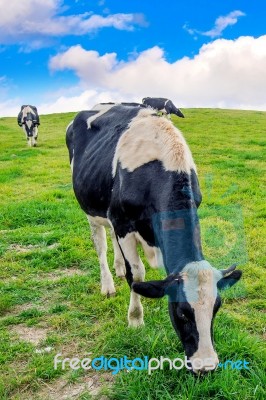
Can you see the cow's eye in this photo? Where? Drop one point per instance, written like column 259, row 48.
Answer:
column 181, row 316
column 184, row 318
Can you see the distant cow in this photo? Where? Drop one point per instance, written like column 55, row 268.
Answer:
column 29, row 120
column 166, row 106
column 133, row 171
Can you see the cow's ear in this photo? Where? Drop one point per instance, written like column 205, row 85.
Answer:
column 229, row 279
column 151, row 289
column 156, row 289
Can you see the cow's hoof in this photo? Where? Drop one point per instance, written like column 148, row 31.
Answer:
column 110, row 295
column 108, row 291
column 135, row 323
column 121, row 277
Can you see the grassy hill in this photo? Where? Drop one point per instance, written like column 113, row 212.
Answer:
column 50, row 299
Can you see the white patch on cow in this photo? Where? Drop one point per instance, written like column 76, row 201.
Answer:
column 99, row 237
column 27, row 110
column 200, row 287
column 29, row 123
column 129, row 247
column 164, row 110
column 72, row 162
column 159, row 256
column 102, row 109
column 153, row 254
column 149, row 138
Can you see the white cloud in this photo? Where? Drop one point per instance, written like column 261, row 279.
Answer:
column 82, row 101
column 34, row 22
column 221, row 23
column 9, row 107
column 225, row 73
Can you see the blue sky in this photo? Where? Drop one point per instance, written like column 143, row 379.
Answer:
column 63, row 55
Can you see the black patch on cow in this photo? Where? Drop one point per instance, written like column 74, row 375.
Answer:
column 129, row 275
column 183, row 320
column 217, row 305
column 94, row 150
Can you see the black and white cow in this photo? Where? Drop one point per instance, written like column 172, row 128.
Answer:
column 166, row 106
column 29, row 120
column 133, row 172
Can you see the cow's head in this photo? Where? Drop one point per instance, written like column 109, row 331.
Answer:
column 193, row 302
column 178, row 113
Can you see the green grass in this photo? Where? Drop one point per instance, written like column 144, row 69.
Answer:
column 44, row 235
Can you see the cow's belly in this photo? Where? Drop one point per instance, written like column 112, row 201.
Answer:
column 93, row 190
column 91, row 204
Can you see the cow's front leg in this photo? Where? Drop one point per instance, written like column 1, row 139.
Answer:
column 99, row 238
column 26, row 135
column 35, row 137
column 129, row 248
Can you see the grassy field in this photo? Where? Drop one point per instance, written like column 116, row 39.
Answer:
column 50, row 299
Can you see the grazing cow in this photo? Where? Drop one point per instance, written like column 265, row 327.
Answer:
column 29, row 120
column 166, row 106
column 133, row 171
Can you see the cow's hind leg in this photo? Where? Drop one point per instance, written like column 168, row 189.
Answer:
column 99, row 238
column 119, row 262
column 129, row 248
